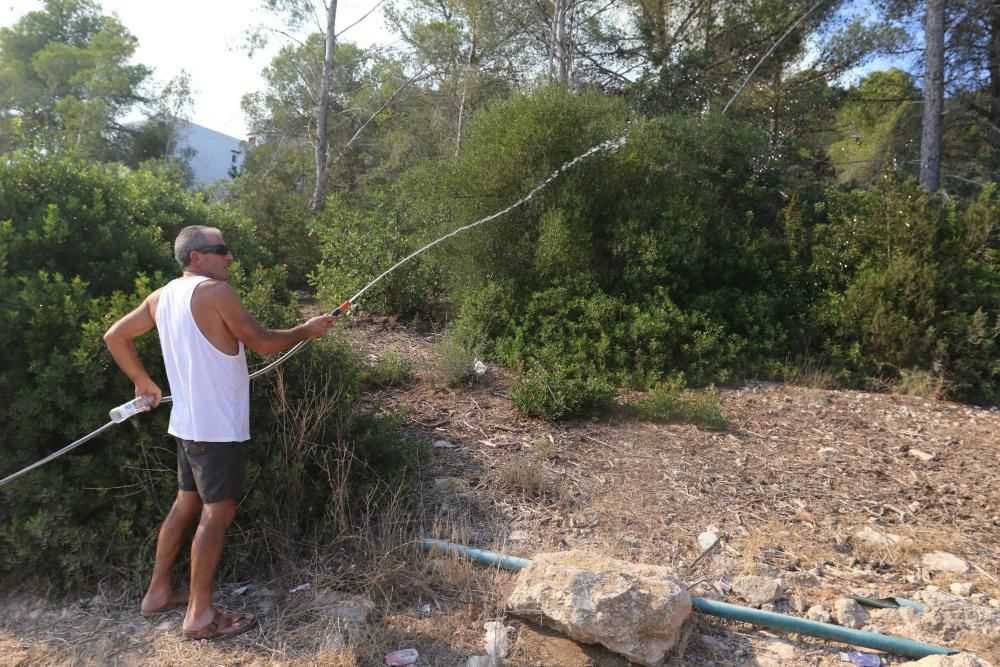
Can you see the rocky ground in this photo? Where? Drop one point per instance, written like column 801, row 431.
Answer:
column 809, row 496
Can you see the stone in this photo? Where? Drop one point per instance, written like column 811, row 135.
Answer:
column 819, row 613
column 849, row 613
column 443, row 444
column 948, row 618
column 942, row 561
column 799, row 604
column 497, row 642
column 957, row 660
column 784, row 650
column 963, row 589
column 980, row 598
column 926, row 457
column 879, row 538
column 348, row 612
column 706, row 540
column 758, row 590
column 634, row 610
column 448, row 485
column 802, row 579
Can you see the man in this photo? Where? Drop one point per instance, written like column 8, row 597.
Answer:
column 203, row 329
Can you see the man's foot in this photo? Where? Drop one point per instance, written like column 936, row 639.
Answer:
column 152, row 605
column 223, row 625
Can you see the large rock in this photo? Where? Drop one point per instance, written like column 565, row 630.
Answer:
column 634, row 610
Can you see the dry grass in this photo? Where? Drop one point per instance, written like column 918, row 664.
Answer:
column 923, row 384
column 527, row 477
column 810, row 373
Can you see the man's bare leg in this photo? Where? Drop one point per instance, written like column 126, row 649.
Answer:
column 168, row 545
column 206, row 551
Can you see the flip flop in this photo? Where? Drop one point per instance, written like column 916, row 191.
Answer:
column 219, row 628
column 176, row 603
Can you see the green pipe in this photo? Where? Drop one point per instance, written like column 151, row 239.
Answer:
column 480, row 556
column 767, row 619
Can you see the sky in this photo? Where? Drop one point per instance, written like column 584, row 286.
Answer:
column 204, row 38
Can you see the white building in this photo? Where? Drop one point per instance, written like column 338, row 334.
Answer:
column 214, row 156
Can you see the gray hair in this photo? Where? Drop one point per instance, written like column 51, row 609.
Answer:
column 190, row 239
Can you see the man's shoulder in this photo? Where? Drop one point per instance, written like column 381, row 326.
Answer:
column 216, row 287
column 217, row 292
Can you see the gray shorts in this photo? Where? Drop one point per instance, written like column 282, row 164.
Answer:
column 214, row 469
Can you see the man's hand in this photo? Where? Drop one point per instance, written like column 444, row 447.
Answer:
column 318, row 326
column 149, row 388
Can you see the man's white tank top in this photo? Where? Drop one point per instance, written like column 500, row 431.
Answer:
column 211, row 389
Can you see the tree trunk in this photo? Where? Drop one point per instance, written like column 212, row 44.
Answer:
column 560, row 40
column 993, row 58
column 465, row 92
column 930, row 141
column 319, row 195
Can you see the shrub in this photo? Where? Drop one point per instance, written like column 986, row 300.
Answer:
column 454, row 361
column 358, row 245
column 672, row 402
column 911, row 282
column 555, row 393
column 391, row 369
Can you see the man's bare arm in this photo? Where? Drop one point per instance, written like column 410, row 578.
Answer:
column 120, row 339
column 263, row 341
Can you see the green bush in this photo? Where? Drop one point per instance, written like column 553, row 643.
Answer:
column 391, row 369
column 911, row 282
column 266, row 194
column 359, row 245
column 80, row 246
column 454, row 361
column 663, row 256
column 671, row 402
column 558, row 392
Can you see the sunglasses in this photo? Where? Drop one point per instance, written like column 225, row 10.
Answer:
column 217, row 249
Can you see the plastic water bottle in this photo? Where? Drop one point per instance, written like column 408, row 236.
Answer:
column 133, row 407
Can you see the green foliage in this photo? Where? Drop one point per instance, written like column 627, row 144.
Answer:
column 671, row 255
column 877, row 121
column 65, row 75
column 357, row 246
column 671, row 402
column 454, row 360
column 267, row 196
column 560, row 391
column 912, row 282
column 391, row 369
column 660, row 257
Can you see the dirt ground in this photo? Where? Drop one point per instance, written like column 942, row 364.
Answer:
column 787, row 485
